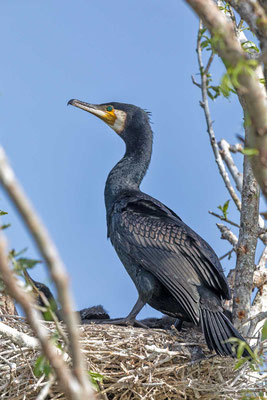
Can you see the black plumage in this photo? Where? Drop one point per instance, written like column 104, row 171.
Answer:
column 174, row 270
column 40, row 290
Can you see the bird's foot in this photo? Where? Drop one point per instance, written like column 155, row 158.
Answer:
column 118, row 321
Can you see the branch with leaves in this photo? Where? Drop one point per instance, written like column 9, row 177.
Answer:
column 245, row 74
column 240, row 57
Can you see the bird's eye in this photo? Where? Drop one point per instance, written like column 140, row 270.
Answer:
column 109, row 108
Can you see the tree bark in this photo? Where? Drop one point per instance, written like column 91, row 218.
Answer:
column 246, row 247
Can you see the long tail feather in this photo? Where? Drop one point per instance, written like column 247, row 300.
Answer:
column 218, row 330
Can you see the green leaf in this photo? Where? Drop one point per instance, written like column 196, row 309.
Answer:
column 27, row 262
column 264, row 331
column 95, row 377
column 250, row 152
column 224, row 208
column 248, row 46
column 42, row 367
column 205, row 44
column 47, row 315
column 23, row 263
column 213, row 92
column 5, row 226
column 3, row 213
column 202, row 31
column 230, row 80
column 239, row 363
column 240, row 349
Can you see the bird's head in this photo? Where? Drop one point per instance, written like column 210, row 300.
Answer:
column 119, row 116
column 39, row 289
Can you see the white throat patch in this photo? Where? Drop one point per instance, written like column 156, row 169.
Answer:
column 120, row 121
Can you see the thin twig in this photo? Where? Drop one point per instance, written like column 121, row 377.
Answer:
column 20, row 338
column 53, row 261
column 232, row 16
column 227, row 254
column 226, row 155
column 236, row 148
column 227, row 234
column 255, row 319
column 238, row 178
column 195, row 82
column 45, row 390
column 209, row 63
column 240, row 24
column 24, row 299
column 55, row 318
column 263, row 259
column 214, row 145
column 222, row 218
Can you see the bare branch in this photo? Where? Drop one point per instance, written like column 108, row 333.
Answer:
column 45, row 391
column 258, row 306
column 20, row 338
column 238, row 178
column 223, row 219
column 53, row 261
column 236, row 148
column 57, row 271
column 258, row 317
column 260, row 279
column 249, row 87
column 228, row 254
column 209, row 63
column 227, row 234
column 263, row 259
column 246, row 248
column 66, row 381
column 259, row 303
column 210, row 130
column 226, row 155
column 195, row 82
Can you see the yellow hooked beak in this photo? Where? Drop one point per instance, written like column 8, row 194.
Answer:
column 100, row 111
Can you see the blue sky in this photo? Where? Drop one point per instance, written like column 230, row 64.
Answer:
column 136, row 52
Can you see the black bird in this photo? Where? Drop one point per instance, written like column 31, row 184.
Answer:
column 40, row 290
column 174, row 270
column 95, row 314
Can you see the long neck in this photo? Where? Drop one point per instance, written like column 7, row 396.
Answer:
column 129, row 172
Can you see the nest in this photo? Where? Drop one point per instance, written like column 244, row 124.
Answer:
column 135, row 363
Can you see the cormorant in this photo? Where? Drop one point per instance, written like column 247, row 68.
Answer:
column 174, row 270
column 94, row 314
column 86, row 315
